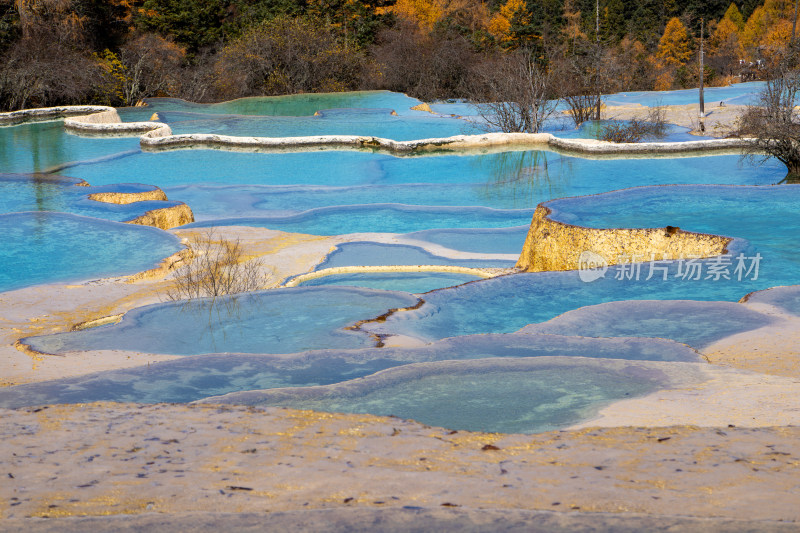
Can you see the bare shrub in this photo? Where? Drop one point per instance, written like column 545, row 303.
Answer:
column 152, row 66
column 654, row 125
column 774, row 123
column 582, row 75
column 517, row 92
column 40, row 72
column 217, row 267
column 287, row 56
column 430, row 66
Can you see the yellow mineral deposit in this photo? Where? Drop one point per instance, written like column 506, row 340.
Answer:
column 165, row 217
column 128, row 197
column 553, row 245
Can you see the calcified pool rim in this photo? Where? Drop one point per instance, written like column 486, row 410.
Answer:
column 159, row 136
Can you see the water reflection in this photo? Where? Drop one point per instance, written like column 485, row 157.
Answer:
column 43, row 143
column 526, row 178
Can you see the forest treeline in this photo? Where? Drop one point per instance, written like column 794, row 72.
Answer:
column 117, row 52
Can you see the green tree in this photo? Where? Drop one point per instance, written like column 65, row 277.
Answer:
column 9, row 24
column 734, row 15
column 192, row 24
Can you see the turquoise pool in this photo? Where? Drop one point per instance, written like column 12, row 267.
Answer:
column 46, row 247
column 254, row 349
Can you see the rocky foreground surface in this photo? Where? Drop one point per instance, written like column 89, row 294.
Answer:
column 111, row 459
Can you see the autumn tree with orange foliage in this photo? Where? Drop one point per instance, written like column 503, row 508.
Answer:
column 673, row 48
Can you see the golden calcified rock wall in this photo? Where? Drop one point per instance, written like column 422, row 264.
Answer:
column 553, row 245
column 128, row 197
column 166, row 217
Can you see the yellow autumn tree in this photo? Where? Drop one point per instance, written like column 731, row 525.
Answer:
column 424, row 13
column 753, row 31
column 778, row 9
column 776, row 40
column 735, row 16
column 673, row 48
column 500, row 25
column 724, row 36
column 572, row 27
column 769, row 25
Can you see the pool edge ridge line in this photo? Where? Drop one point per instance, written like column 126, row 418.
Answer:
column 484, row 273
column 159, row 139
column 42, row 114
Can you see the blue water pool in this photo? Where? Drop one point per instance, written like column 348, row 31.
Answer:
column 488, row 241
column 296, row 105
column 697, row 324
column 738, row 93
column 45, row 247
column 472, row 202
column 194, row 378
column 372, row 253
column 375, row 123
column 45, row 146
column 787, row 299
column 511, row 302
column 382, row 218
column 45, row 192
column 276, row 321
column 593, row 130
column 413, row 282
column 499, row 395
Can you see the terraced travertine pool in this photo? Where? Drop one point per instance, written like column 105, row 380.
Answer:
column 296, row 347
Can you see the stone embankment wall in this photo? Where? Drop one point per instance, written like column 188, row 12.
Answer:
column 553, row 245
column 103, row 120
column 108, row 122
column 48, row 113
column 161, row 139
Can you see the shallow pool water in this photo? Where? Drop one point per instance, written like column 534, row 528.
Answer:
column 46, row 147
column 738, row 93
column 786, row 299
column 479, row 240
column 47, row 192
column 498, row 395
column 373, row 253
column 296, row 105
column 45, row 247
column 511, row 302
column 593, row 130
column 276, row 321
column 697, row 324
column 478, row 203
column 372, row 123
column 413, row 282
column 336, row 192
column 194, row 378
column 381, row 218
